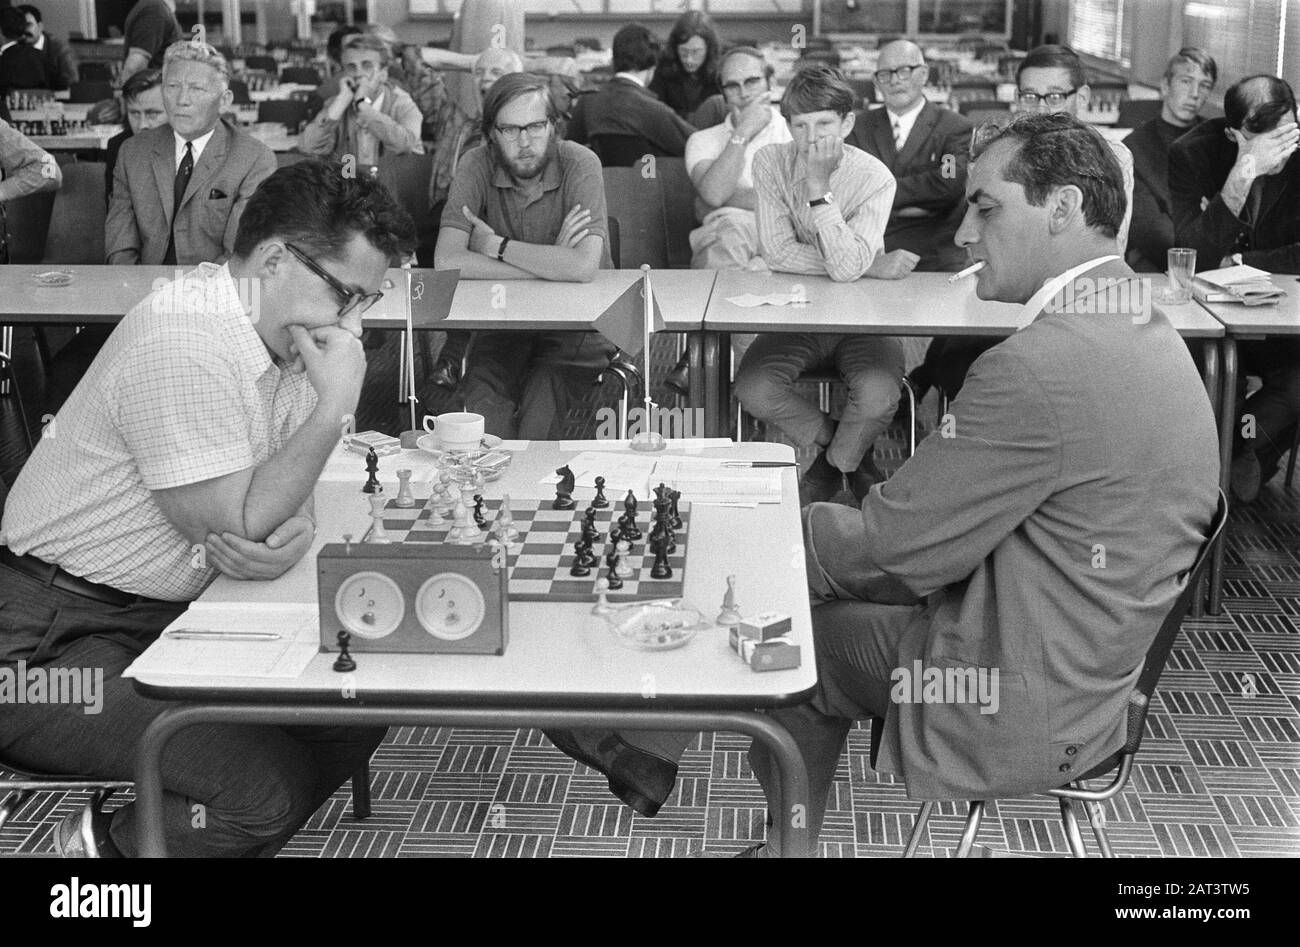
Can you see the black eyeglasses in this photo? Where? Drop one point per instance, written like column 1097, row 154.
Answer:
column 902, row 72
column 752, row 84
column 1053, row 99
column 516, row 133
column 351, row 298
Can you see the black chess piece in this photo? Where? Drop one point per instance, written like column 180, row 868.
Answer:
column 629, row 504
column 580, row 565
column 675, row 520
column 372, row 468
column 661, row 569
column 614, row 581
column 479, row 518
column 344, row 662
column 601, row 501
column 564, row 490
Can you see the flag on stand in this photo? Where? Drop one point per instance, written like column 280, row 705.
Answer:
column 624, row 323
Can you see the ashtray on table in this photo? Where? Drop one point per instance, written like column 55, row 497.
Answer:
column 658, row 625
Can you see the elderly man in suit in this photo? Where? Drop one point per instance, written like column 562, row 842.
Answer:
column 179, row 189
column 1088, row 433
column 1234, row 183
column 926, row 148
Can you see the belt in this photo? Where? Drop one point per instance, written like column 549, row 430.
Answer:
column 52, row 575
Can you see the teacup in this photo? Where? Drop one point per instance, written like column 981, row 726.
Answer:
column 457, row 430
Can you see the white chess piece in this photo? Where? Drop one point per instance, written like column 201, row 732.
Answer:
column 730, row 614
column 465, row 530
column 602, row 602
column 505, row 523
column 622, row 568
column 377, row 532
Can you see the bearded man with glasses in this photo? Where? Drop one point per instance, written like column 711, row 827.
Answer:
column 191, row 448
column 526, row 205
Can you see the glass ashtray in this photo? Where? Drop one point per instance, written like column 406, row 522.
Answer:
column 52, row 278
column 659, row 625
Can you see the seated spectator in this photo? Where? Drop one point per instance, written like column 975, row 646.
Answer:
column 687, row 73
column 521, row 382
column 926, row 148
column 24, row 169
column 333, row 70
column 1185, row 88
column 410, row 73
column 21, row 66
column 60, row 60
column 822, row 208
column 1234, row 186
column 370, row 116
column 1050, row 79
column 459, row 135
column 212, row 168
column 624, row 106
column 143, row 99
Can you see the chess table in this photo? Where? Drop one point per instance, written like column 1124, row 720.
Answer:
column 564, row 667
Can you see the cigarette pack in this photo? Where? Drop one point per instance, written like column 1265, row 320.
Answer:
column 382, row 443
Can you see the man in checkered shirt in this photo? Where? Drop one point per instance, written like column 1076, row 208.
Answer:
column 191, row 447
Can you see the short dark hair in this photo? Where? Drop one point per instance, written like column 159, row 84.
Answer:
column 13, row 23
column 504, row 91
column 1051, row 56
column 140, row 83
column 334, row 45
column 817, row 87
column 28, row 8
column 1258, row 103
column 319, row 208
column 1057, row 149
column 1193, row 56
column 635, row 48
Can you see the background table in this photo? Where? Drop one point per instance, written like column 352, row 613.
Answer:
column 563, row 667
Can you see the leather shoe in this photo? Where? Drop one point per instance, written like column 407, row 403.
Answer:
column 820, row 482
column 1246, row 478
column 865, row 477
column 679, row 378
column 445, row 374
column 641, row 780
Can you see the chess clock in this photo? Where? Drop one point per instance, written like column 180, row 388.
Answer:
column 422, row 599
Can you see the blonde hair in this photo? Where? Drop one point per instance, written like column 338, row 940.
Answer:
column 190, row 51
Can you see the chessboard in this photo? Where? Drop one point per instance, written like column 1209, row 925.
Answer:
column 539, row 561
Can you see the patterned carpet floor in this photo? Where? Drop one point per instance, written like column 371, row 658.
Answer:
column 1219, row 772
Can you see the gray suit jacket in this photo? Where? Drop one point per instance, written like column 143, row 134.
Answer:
column 1049, row 536
column 140, row 212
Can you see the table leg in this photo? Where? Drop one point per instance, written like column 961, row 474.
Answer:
column 698, row 398
column 1227, row 423
column 715, row 423
column 1213, row 388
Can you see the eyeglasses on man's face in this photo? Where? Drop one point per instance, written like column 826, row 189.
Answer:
column 1052, row 99
column 352, row 299
column 903, row 73
column 516, row 133
column 746, row 86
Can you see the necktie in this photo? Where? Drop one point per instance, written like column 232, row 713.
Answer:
column 178, row 193
column 898, row 136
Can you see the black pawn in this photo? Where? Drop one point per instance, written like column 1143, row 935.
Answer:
column 580, row 565
column 344, row 663
column 661, row 569
column 601, row 501
column 629, row 504
column 614, row 581
column 372, row 468
column 479, row 518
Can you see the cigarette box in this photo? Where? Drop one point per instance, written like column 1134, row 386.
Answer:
column 765, row 626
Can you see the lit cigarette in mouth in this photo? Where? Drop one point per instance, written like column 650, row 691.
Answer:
column 962, row 274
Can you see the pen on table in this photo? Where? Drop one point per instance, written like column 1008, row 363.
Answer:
column 759, row 463
column 200, row 635
column 962, row 274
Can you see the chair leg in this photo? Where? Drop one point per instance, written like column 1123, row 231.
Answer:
column 911, row 413
column 1072, row 829
column 972, row 829
column 1097, row 819
column 361, row 792
column 1290, row 461
column 918, row 828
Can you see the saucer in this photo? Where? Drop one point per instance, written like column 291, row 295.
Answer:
column 429, row 442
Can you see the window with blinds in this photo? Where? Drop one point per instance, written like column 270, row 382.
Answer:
column 1098, row 28
column 1244, row 36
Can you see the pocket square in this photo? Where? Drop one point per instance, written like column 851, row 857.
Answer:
column 216, row 194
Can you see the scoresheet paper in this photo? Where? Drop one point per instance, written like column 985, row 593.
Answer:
column 286, row 657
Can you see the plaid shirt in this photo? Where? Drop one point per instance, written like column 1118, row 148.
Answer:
column 183, row 391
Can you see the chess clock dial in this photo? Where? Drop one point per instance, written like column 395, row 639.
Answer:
column 370, row 605
column 450, row 606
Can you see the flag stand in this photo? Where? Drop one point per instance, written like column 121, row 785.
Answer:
column 410, row 437
column 650, row 439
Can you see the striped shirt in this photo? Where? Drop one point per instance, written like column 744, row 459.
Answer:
column 840, row 239
column 183, row 391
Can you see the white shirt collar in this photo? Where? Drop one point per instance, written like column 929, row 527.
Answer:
column 630, row 77
column 40, row 43
column 906, row 120
column 1029, row 312
column 378, row 101
column 199, row 144
column 12, row 42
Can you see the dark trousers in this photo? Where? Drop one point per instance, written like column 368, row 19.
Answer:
column 522, row 381
column 228, row 790
column 1275, row 407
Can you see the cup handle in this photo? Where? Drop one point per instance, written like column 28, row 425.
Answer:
column 428, row 423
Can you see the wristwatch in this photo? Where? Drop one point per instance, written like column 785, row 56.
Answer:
column 738, row 139
column 826, row 198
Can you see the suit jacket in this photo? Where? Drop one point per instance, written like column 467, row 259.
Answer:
column 926, row 180
column 22, row 67
column 1267, row 237
column 140, row 212
column 1050, row 536
column 624, row 108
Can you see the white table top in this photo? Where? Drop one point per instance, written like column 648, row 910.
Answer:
column 558, row 651
column 920, row 304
